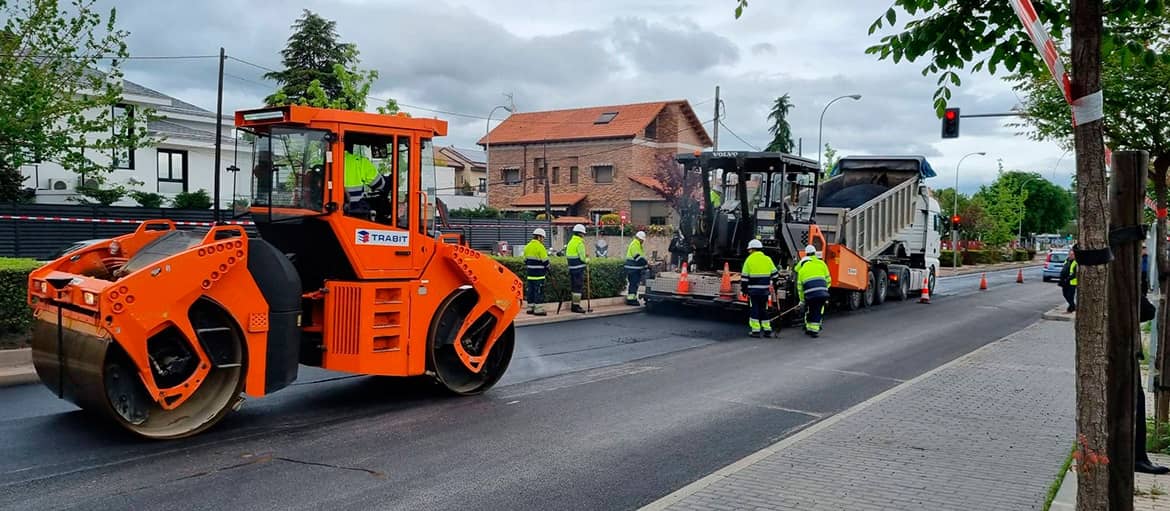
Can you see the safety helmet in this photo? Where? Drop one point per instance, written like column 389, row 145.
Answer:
column 810, row 250
column 640, row 235
column 579, row 228
column 755, row 245
column 538, row 232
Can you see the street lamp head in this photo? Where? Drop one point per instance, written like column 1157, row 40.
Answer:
column 855, row 97
column 981, row 153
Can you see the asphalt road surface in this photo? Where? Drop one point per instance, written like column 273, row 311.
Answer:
column 610, row 413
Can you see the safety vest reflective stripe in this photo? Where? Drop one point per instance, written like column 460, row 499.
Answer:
column 575, row 251
column 576, row 264
column 815, row 285
column 635, row 260
column 354, row 192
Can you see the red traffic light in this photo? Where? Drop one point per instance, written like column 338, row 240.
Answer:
column 951, row 114
column 950, row 123
column 955, row 219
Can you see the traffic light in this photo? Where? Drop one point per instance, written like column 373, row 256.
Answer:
column 955, row 222
column 950, row 123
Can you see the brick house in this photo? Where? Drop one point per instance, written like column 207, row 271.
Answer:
column 598, row 160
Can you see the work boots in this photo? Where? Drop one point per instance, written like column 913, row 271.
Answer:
column 768, row 334
column 578, row 309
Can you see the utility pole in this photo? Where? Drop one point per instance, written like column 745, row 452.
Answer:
column 218, row 135
column 716, row 138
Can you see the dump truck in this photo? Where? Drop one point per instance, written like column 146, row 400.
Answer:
column 873, row 220
column 164, row 331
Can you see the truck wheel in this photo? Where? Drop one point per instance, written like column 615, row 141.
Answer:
column 902, row 291
column 881, row 287
column 854, row 300
column 932, row 281
column 868, row 295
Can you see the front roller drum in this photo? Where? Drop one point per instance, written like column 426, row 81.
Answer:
column 444, row 360
column 93, row 372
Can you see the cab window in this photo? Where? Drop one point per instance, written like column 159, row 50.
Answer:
column 403, row 182
column 427, row 162
column 363, row 152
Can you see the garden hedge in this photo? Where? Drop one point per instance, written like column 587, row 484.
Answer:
column 973, row 257
column 17, row 318
column 946, row 259
column 607, row 277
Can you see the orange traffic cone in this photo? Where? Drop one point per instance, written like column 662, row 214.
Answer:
column 770, row 293
column 1020, row 277
column 684, row 284
column 983, row 283
column 925, row 291
column 725, row 292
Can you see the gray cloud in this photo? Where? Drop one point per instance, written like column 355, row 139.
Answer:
column 460, row 55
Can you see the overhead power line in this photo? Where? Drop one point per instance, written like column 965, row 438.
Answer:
column 729, row 130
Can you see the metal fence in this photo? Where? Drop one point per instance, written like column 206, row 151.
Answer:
column 37, row 230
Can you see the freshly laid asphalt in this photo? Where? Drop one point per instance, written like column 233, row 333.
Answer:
column 608, row 413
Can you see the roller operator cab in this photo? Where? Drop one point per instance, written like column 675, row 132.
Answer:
column 163, row 330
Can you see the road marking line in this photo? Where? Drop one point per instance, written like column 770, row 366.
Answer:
column 773, row 407
column 595, row 377
column 751, row 459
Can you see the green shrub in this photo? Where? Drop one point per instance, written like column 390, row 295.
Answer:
column 192, row 200
column 14, row 294
column 973, row 257
column 607, row 277
column 147, row 199
column 946, row 259
column 1022, row 255
column 611, row 219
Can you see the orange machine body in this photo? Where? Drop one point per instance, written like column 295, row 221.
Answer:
column 161, row 329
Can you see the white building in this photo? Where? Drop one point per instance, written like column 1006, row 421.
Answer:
column 461, row 177
column 181, row 162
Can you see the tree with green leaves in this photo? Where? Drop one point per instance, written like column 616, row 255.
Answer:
column 320, row 70
column 60, row 80
column 830, row 159
column 780, row 130
column 1004, row 201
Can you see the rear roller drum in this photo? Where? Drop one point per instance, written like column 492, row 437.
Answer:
column 449, row 370
column 101, row 378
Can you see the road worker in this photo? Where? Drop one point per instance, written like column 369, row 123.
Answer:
column 756, row 282
column 575, row 252
column 536, row 269
column 635, row 264
column 1068, row 280
column 812, row 287
column 360, row 174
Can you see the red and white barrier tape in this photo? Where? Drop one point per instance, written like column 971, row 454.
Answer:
column 108, row 220
column 1085, row 109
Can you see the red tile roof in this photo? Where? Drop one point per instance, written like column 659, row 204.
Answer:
column 580, row 123
column 648, row 182
column 556, row 199
column 566, row 220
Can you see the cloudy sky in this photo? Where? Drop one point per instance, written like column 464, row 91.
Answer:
column 461, row 56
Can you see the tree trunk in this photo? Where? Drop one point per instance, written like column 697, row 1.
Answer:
column 1162, row 260
column 1127, row 188
column 1093, row 293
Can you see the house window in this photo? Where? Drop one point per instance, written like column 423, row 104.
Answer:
column 172, row 171
column 603, row 174
column 574, row 175
column 596, row 214
column 511, row 176
column 541, row 171
column 122, row 129
column 556, row 175
column 605, row 118
column 652, row 130
column 482, row 185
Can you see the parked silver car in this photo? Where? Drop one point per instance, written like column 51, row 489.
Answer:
column 1053, row 263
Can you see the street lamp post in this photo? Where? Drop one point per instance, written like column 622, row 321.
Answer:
column 1054, row 167
column 487, row 152
column 955, row 211
column 821, row 125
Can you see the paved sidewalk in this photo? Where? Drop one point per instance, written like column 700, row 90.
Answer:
column 988, row 431
column 968, row 270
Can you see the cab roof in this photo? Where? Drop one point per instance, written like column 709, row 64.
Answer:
column 306, row 115
column 749, row 161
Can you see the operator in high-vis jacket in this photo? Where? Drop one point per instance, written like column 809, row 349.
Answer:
column 577, row 260
column 536, row 269
column 635, row 264
column 812, row 286
column 756, row 282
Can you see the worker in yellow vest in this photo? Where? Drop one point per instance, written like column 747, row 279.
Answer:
column 756, row 282
column 577, row 261
column 360, row 173
column 536, row 269
column 635, row 264
column 812, row 287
